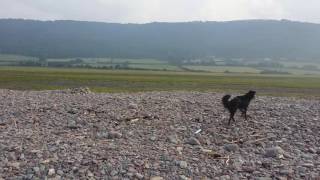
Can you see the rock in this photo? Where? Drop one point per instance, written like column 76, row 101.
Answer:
column 274, row 152
column 231, row 147
column 139, row 176
column 281, row 177
column 179, row 150
column 130, row 175
column 263, row 178
column 3, row 122
column 301, row 170
column 266, row 164
column 133, row 106
column 12, row 156
column 113, row 173
column 28, row 176
column 286, row 172
column 22, row 157
column 36, row 170
column 114, row 135
column 156, row 178
column 72, row 124
column 138, row 162
column 132, row 170
column 173, row 139
column 235, row 177
column 51, row 172
column 72, row 111
column 225, row 177
column 14, row 165
column 193, row 141
column 60, row 172
column 307, row 156
column 102, row 135
column 311, row 150
column 308, row 165
column 183, row 177
column 90, row 174
column 57, row 177
column 153, row 138
column 42, row 167
column 183, row 164
column 248, row 169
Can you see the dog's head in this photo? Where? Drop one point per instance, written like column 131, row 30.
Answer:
column 251, row 94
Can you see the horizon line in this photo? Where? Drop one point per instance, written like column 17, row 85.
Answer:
column 194, row 21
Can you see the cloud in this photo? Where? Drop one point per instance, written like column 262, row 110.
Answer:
column 141, row 11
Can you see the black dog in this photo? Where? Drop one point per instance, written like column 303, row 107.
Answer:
column 239, row 102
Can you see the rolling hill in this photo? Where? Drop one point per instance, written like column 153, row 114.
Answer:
column 169, row 41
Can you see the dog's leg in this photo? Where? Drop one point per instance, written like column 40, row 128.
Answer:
column 244, row 113
column 231, row 117
column 229, row 121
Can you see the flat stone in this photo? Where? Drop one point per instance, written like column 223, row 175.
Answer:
column 183, row 164
column 308, row 165
column 114, row 134
column 139, row 176
column 51, row 172
column 231, row 147
column 274, row 152
column 173, row 139
column 183, row 177
column 156, row 178
column 193, row 141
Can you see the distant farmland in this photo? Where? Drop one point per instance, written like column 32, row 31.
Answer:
column 294, row 68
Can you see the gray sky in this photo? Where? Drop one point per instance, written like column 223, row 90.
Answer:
column 142, row 11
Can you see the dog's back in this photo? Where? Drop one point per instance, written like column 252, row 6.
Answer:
column 232, row 104
column 245, row 100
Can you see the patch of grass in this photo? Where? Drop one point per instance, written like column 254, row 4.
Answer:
column 23, row 78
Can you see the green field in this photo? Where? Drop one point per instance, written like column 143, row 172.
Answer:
column 24, row 78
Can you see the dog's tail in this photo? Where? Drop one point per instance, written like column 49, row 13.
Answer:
column 225, row 101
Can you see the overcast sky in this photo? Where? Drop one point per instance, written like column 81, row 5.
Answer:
column 142, row 11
